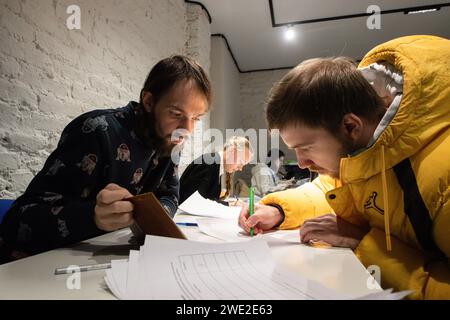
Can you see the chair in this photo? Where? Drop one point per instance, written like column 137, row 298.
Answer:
column 5, row 204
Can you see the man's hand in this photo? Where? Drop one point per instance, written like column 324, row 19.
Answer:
column 111, row 213
column 333, row 230
column 263, row 218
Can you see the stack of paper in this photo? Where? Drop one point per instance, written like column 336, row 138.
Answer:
column 167, row 268
column 199, row 206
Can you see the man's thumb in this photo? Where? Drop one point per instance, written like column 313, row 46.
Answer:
column 253, row 220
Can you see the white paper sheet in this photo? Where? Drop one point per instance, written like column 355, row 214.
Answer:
column 223, row 229
column 167, row 268
column 386, row 295
column 181, row 269
column 199, row 206
column 224, row 271
column 117, row 280
column 229, row 231
column 291, row 236
column 133, row 275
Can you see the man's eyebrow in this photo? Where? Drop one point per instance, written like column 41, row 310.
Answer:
column 182, row 111
column 301, row 145
column 176, row 107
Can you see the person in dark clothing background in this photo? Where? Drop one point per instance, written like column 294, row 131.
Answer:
column 211, row 174
column 106, row 156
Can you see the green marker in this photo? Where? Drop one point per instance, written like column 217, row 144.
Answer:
column 251, row 206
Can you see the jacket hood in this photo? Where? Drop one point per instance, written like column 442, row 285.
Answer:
column 424, row 109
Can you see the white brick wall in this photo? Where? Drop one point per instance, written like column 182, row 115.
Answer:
column 254, row 90
column 50, row 74
column 198, row 47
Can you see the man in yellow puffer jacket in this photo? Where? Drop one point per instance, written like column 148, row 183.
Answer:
column 379, row 137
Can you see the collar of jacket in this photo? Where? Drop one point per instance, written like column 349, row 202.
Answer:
column 423, row 112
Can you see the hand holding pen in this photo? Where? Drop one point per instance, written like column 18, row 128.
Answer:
column 264, row 218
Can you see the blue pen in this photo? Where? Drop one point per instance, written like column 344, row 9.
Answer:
column 187, row 224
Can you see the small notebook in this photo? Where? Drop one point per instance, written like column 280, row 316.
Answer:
column 152, row 218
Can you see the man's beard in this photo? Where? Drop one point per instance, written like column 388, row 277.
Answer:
column 146, row 131
column 348, row 147
column 323, row 171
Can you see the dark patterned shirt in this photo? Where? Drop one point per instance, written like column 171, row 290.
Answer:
column 95, row 149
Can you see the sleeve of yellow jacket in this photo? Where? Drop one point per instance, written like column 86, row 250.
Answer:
column 302, row 203
column 405, row 268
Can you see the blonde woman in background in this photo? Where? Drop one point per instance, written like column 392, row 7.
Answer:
column 211, row 173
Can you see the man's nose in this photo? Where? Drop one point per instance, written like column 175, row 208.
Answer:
column 188, row 124
column 303, row 163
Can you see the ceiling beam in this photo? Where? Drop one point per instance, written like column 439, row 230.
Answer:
column 351, row 16
column 203, row 7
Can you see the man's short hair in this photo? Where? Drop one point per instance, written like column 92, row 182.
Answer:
column 319, row 92
column 167, row 72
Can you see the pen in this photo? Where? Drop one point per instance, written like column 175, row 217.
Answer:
column 187, row 224
column 251, row 204
column 88, row 267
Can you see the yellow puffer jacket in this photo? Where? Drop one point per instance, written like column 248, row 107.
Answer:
column 400, row 181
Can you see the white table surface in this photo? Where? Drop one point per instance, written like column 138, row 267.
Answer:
column 33, row 277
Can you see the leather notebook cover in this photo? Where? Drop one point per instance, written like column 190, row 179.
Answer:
column 152, row 218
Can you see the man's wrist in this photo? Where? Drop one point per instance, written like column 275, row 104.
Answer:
column 280, row 210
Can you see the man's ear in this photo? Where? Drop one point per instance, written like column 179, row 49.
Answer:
column 147, row 101
column 353, row 126
column 387, row 100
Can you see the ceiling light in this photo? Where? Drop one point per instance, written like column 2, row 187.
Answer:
column 289, row 34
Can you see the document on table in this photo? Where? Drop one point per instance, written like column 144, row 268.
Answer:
column 229, row 231
column 167, row 268
column 199, row 206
